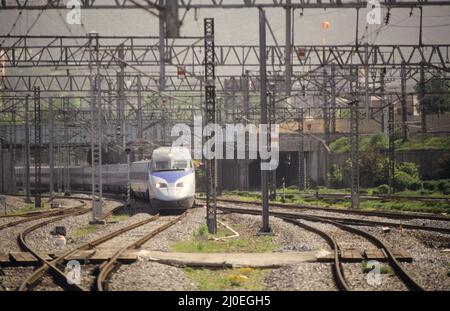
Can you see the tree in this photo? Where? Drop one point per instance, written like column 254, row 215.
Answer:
column 437, row 93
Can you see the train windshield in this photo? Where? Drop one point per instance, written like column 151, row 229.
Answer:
column 171, row 159
column 170, row 165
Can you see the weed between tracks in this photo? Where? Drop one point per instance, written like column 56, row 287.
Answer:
column 203, row 242
column 88, row 229
column 223, row 279
column 30, row 208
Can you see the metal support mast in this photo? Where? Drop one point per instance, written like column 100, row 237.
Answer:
column 96, row 130
column 333, row 98
column 272, row 173
column 423, row 116
column 354, row 139
column 121, row 101
column 391, row 124
column 37, row 147
column 288, row 48
column 301, row 153
column 51, row 137
column 210, row 103
column 384, row 109
column 66, row 155
column 27, row 149
column 403, row 102
column 162, row 47
column 263, row 98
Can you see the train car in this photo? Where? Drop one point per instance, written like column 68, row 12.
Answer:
column 167, row 181
column 171, row 178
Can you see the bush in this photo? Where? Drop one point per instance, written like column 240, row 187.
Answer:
column 409, row 168
column 444, row 167
column 335, row 176
column 383, row 189
column 429, row 185
column 403, row 181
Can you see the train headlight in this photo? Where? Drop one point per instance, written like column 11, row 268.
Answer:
column 180, row 184
column 161, row 185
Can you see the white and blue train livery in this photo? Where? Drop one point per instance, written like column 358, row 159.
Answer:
column 170, row 183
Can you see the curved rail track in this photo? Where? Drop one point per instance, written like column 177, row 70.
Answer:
column 111, row 265
column 105, row 270
column 338, row 272
column 386, row 214
column 350, row 221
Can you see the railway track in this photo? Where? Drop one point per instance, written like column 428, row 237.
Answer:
column 386, row 214
column 350, row 221
column 111, row 265
column 49, row 217
column 338, row 272
column 55, row 267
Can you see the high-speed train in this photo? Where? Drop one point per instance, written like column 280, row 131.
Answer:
column 167, row 180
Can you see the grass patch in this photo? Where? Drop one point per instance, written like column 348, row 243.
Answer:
column 202, row 242
column 30, row 208
column 291, row 197
column 117, row 218
column 384, row 269
column 83, row 231
column 226, row 279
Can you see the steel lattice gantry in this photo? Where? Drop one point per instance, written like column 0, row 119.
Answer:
column 215, row 4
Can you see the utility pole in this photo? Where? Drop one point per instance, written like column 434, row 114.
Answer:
column 162, row 47
column 12, row 150
column 366, row 80
column 210, row 103
column 96, row 130
column 128, row 151
column 37, row 147
column 383, row 102
column 121, row 100
column 403, row 102
column 326, row 108
column 391, row 124
column 333, row 98
column 288, row 48
column 139, row 108
column 423, row 116
column 51, row 137
column 263, row 98
column 66, row 156
column 354, row 138
column 27, row 150
column 301, row 153
column 272, row 173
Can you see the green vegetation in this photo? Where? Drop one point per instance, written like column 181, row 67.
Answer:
column 117, row 218
column 437, row 93
column 380, row 141
column 30, row 208
column 225, row 279
column 313, row 198
column 203, row 242
column 83, row 231
column 384, row 269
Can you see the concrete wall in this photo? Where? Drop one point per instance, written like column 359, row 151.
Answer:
column 7, row 178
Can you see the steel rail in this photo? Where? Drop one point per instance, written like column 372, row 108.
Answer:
column 351, row 221
column 402, row 274
column 387, row 214
column 39, row 273
column 107, row 268
column 338, row 271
